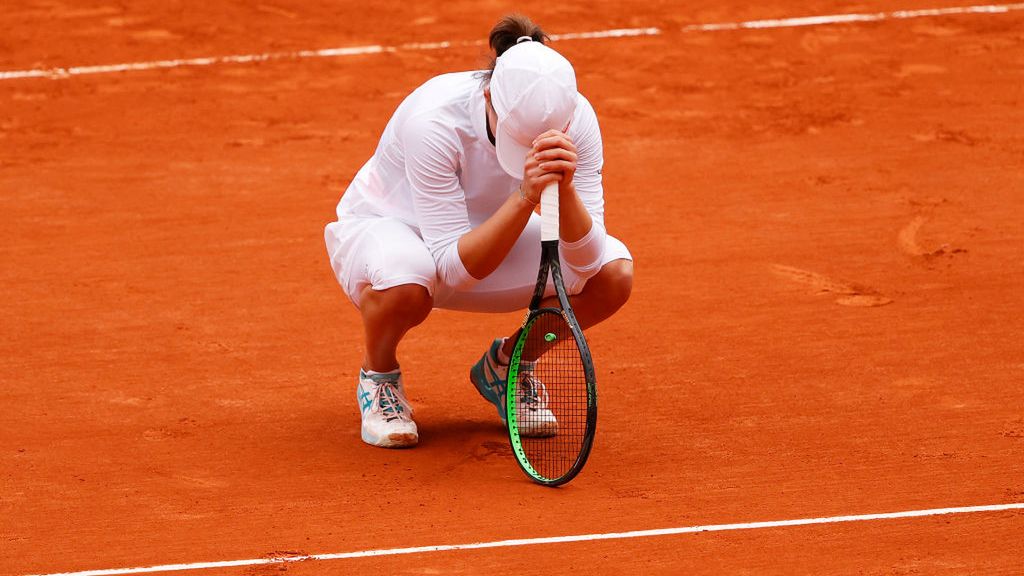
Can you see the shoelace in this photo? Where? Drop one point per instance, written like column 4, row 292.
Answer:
column 534, row 393
column 389, row 402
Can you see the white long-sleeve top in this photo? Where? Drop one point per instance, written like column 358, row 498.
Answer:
column 436, row 170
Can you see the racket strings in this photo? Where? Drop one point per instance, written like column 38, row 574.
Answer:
column 535, row 393
column 557, row 381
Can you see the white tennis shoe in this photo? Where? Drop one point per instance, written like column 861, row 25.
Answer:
column 534, row 417
column 490, row 377
column 387, row 415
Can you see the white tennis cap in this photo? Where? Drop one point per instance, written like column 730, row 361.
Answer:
column 533, row 90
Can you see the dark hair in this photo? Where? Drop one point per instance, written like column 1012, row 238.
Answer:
column 506, row 34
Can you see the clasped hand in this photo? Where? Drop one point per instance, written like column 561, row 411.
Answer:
column 552, row 159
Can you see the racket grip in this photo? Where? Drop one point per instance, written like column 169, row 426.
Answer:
column 549, row 213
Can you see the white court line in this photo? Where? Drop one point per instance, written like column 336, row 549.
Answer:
column 845, row 18
column 550, row 540
column 59, row 73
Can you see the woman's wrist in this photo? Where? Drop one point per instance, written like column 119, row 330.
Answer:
column 567, row 191
column 523, row 198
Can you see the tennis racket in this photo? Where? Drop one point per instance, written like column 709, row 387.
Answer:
column 551, row 392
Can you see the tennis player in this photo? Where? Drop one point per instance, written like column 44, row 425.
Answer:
column 443, row 216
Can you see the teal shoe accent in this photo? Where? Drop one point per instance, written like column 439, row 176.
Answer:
column 490, row 378
column 387, row 400
column 365, row 401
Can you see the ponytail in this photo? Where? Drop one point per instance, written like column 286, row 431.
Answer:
column 506, row 34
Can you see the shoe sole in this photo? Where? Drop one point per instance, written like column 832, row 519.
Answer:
column 541, row 430
column 392, row 440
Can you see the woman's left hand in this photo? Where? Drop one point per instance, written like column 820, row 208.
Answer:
column 555, row 152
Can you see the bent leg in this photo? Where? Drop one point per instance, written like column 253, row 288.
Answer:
column 387, row 272
column 387, row 316
column 602, row 296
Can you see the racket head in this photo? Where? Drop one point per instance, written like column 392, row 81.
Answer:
column 551, row 350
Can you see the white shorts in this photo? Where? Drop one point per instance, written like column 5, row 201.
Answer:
column 383, row 252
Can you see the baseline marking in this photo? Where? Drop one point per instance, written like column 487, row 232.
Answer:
column 846, row 18
column 58, row 73
column 549, row 540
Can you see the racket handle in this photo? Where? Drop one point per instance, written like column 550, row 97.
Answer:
column 549, row 213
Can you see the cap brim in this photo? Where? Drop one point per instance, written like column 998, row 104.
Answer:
column 511, row 154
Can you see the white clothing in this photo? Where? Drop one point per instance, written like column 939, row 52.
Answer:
column 436, row 172
column 383, row 252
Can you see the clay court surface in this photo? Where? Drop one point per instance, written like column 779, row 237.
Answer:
column 828, row 226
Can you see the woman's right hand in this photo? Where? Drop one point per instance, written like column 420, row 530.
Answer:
column 553, row 155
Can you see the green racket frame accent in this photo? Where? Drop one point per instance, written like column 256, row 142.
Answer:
column 510, row 402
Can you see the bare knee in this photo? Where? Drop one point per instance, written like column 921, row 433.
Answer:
column 615, row 283
column 409, row 302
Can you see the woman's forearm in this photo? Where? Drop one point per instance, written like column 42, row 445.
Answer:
column 483, row 248
column 574, row 221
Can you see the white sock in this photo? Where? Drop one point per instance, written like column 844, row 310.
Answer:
column 502, row 358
